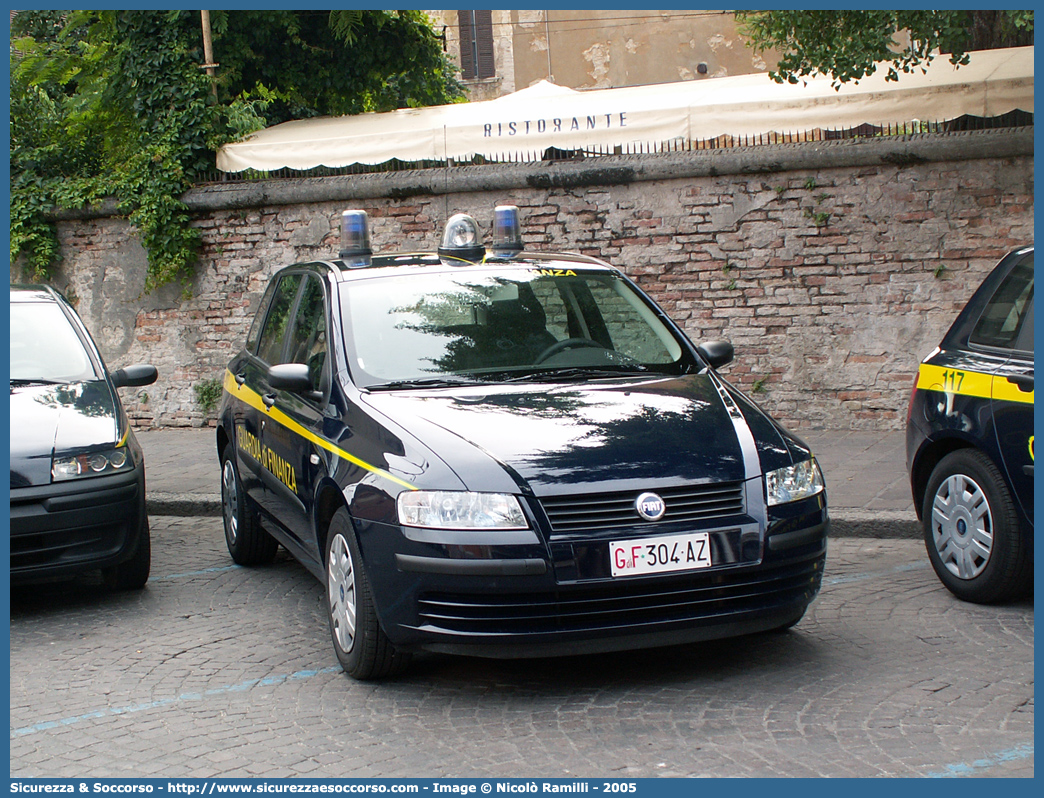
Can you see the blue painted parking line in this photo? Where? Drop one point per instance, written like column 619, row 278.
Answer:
column 1019, row 752
column 846, row 579
column 165, row 702
column 187, row 574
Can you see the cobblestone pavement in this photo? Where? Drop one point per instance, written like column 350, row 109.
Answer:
column 216, row 670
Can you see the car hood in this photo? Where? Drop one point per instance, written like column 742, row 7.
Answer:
column 564, row 437
column 57, row 418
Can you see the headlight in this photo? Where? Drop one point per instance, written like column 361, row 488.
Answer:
column 91, row 464
column 794, row 482
column 446, row 509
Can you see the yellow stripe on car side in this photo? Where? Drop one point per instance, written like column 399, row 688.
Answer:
column 250, row 397
column 970, row 383
column 950, row 380
column 1007, row 391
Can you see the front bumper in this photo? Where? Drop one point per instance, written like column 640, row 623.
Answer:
column 64, row 528
column 521, row 601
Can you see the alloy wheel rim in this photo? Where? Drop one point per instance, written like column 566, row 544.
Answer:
column 341, row 592
column 230, row 499
column 962, row 526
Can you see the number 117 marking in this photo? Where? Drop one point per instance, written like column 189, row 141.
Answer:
column 952, row 380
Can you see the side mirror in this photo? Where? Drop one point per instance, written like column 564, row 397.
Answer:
column 293, row 377
column 134, row 376
column 716, row 353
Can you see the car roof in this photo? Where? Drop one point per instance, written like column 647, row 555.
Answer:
column 401, row 263
column 34, row 293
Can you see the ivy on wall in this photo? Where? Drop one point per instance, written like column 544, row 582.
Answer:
column 115, row 105
column 106, row 104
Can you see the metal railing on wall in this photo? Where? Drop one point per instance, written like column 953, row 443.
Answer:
column 1014, row 119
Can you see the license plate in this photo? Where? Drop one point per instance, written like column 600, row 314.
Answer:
column 660, row 555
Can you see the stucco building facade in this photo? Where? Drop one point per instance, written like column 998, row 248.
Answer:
column 504, row 51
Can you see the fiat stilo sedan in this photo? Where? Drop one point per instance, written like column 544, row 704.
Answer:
column 506, row 453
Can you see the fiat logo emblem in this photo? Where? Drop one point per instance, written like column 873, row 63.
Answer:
column 650, row 506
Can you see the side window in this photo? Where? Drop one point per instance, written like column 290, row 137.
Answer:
column 308, row 337
column 1001, row 321
column 259, row 318
column 555, row 311
column 270, row 347
column 1025, row 342
column 627, row 323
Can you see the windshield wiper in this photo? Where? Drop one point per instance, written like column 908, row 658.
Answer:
column 428, row 382
column 575, row 373
column 36, row 381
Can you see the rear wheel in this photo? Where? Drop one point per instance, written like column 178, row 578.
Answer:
column 971, row 530
column 362, row 648
column 247, row 542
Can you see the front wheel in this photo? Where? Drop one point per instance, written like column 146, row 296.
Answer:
column 247, row 542
column 362, row 648
column 132, row 574
column 971, row 530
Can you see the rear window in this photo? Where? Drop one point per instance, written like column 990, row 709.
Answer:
column 1002, row 320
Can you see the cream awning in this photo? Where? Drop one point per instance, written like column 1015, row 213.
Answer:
column 545, row 115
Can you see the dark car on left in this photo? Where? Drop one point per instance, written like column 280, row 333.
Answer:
column 77, row 471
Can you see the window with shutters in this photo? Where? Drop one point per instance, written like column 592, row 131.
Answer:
column 476, row 45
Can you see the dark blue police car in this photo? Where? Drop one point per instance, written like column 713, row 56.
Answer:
column 969, row 440
column 509, row 454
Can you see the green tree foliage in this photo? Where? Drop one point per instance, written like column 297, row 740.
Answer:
column 849, row 45
column 114, row 104
column 332, row 63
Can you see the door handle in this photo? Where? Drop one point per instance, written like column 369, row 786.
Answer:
column 268, row 399
column 1025, row 383
column 240, row 379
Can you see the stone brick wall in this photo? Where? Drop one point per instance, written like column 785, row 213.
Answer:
column 833, row 269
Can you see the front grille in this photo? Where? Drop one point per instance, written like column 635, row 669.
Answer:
column 592, row 514
column 43, row 548
column 622, row 604
column 68, row 525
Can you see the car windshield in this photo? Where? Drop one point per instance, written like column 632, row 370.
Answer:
column 527, row 323
column 45, row 346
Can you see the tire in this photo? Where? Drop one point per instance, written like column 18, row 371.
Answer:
column 971, row 530
column 362, row 648
column 247, row 542
column 132, row 574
